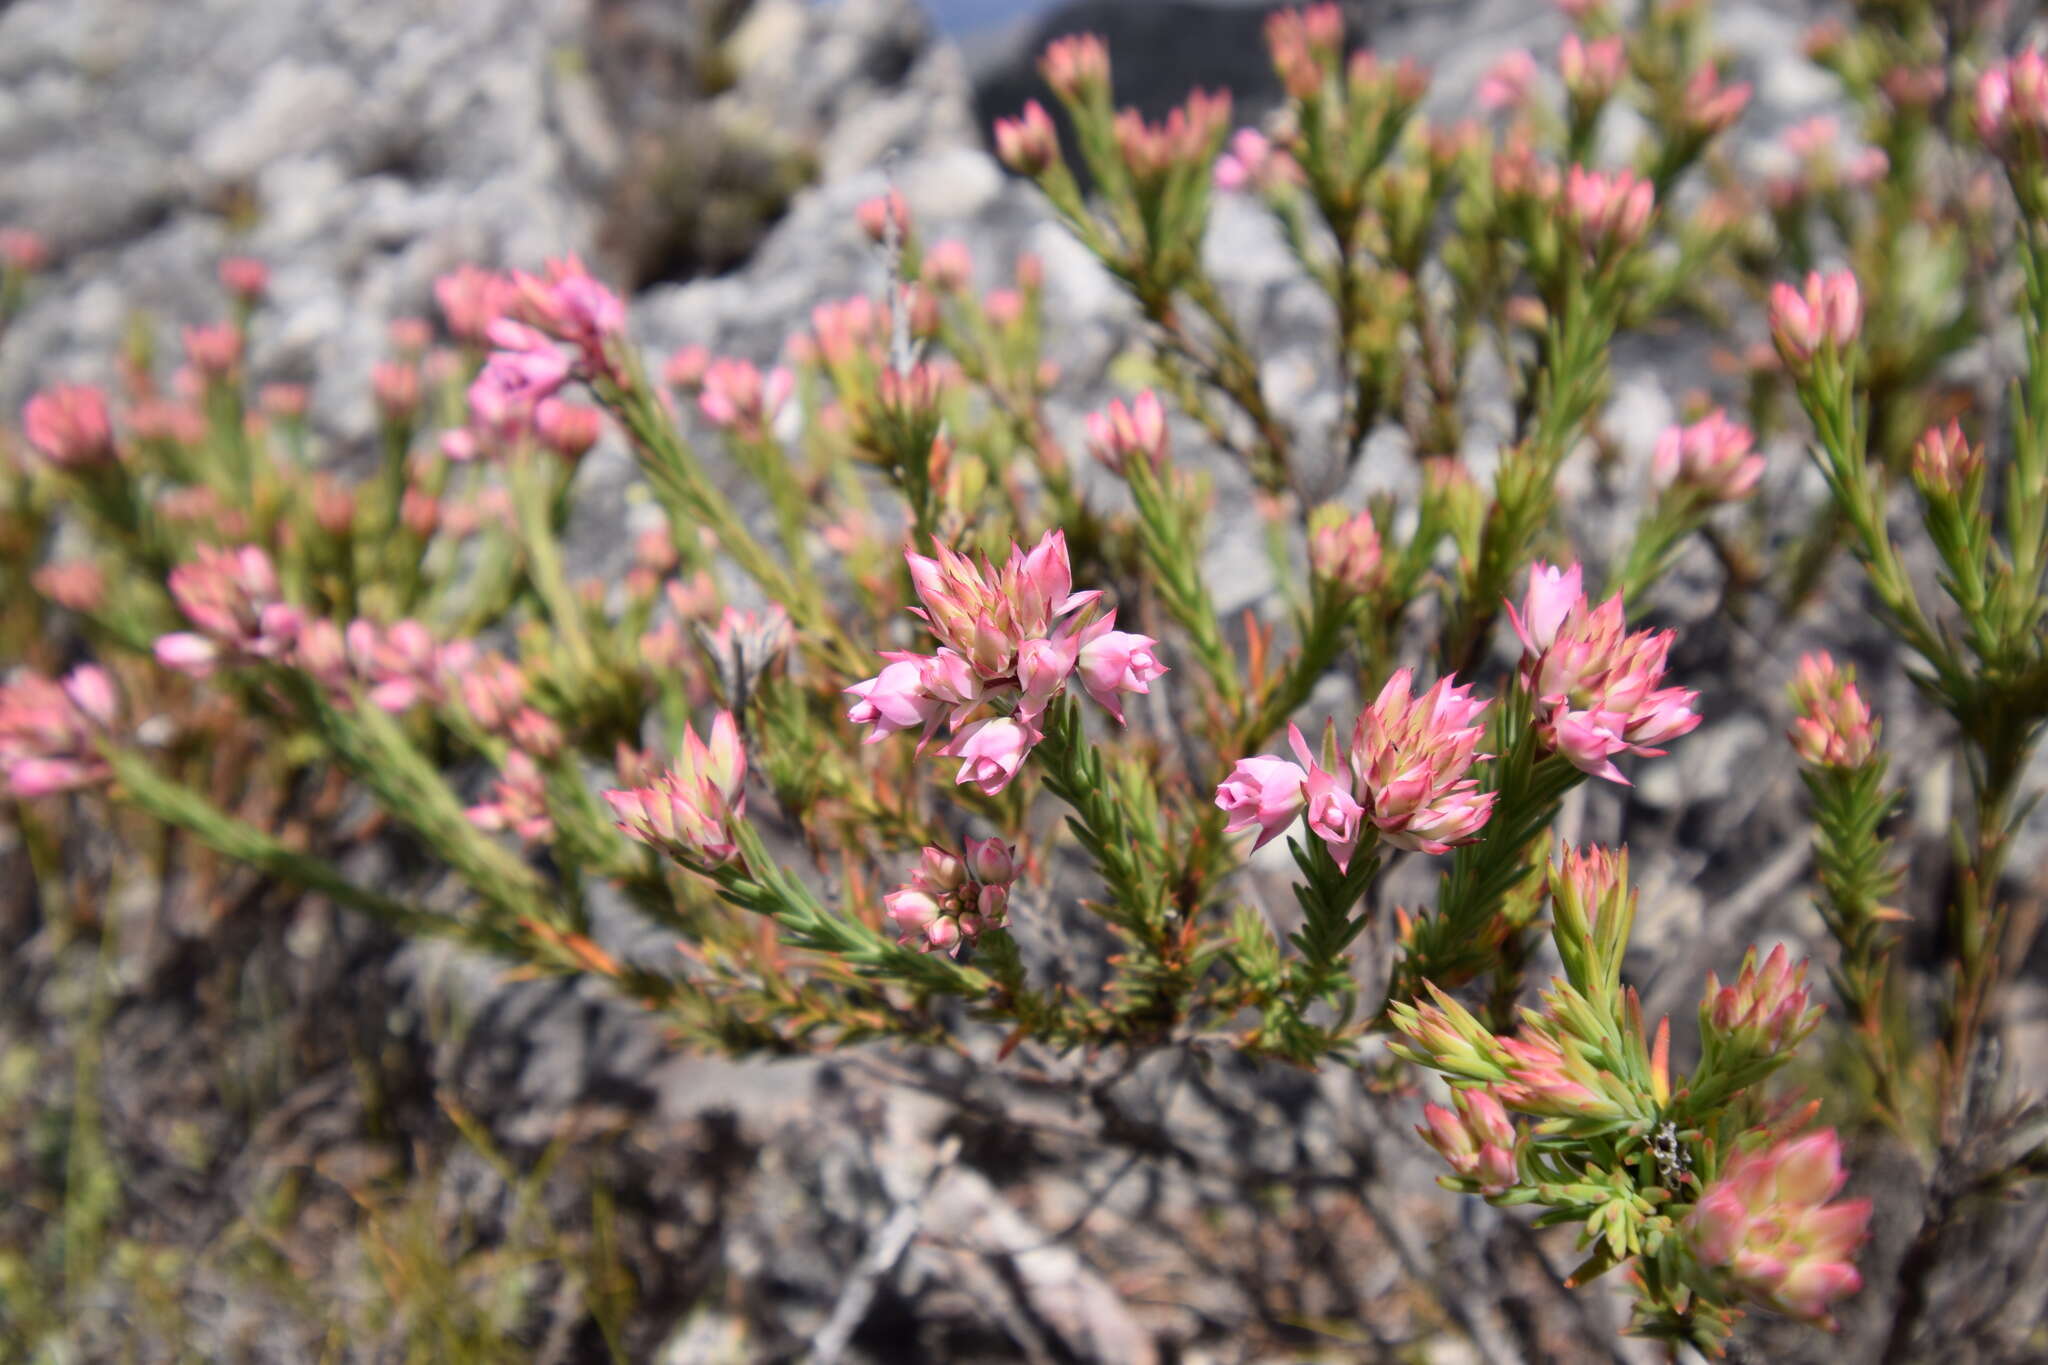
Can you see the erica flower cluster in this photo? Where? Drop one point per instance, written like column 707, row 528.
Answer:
column 1713, row 458
column 951, row 901
column 1834, row 728
column 526, row 319
column 1768, row 1225
column 232, row 597
column 48, row 732
column 687, row 812
column 1594, row 683
column 1404, row 779
column 1010, row 639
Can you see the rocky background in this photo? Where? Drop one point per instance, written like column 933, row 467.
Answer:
column 318, row 1129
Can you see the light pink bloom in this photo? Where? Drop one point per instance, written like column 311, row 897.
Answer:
column 1711, row 106
column 471, row 300
column 1029, row 143
column 1477, row 1139
column 1076, row 66
column 2011, row 105
column 23, row 251
column 215, row 352
column 895, row 699
column 77, row 585
column 1345, row 549
column 736, row 396
column 68, row 425
column 246, row 278
column 1712, row 457
column 1330, row 811
column 519, row 802
column 1595, row 685
column 1113, row 662
column 49, row 731
column 1305, row 43
column 1264, row 791
column 396, row 387
column 1553, row 1079
column 1834, row 728
column 1592, row 71
column 567, row 429
column 570, row 306
column 1609, row 210
column 1118, row 432
column 1409, row 760
column 1826, row 312
column 688, row 811
column 232, row 597
column 1766, row 1008
column 1508, row 82
column 1767, row 1224
column 991, row 751
column 1254, row 163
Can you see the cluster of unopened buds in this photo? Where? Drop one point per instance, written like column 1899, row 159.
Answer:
column 1834, row 727
column 232, row 597
column 1010, row 639
column 951, row 901
column 49, row 731
column 1404, row 777
column 525, row 320
column 689, row 811
column 519, row 801
column 1594, row 683
column 68, row 425
column 1610, row 210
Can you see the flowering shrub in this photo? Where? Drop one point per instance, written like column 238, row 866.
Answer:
column 418, row 633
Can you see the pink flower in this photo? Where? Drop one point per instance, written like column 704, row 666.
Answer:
column 49, row 731
column 567, row 429
column 1478, row 1140
column 1118, row 432
column 895, row 699
column 1595, row 685
column 77, row 585
column 1824, row 314
column 1508, row 81
column 570, row 306
column 519, row 802
column 1331, row 813
column 881, row 214
column 983, row 614
column 1263, row 791
column 1611, row 211
column 23, row 251
column 1834, row 728
column 1593, row 70
column 1767, row 1224
column 1344, row 548
column 1029, row 143
column 246, row 278
column 471, row 300
column 1077, row 66
column 215, row 352
column 1113, row 662
column 68, row 425
column 991, row 751
column 1766, row 1009
column 688, row 811
column 1409, row 760
column 232, row 597
column 1254, row 163
column 2011, row 105
column 1709, row 105
column 736, row 397
column 1550, row 1077
column 1712, row 457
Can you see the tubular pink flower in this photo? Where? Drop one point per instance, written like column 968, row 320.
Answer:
column 1344, row 548
column 1076, row 66
column 569, row 305
column 736, row 396
column 1712, row 457
column 245, row 277
column 1766, row 1009
column 1551, row 1079
column 1264, row 791
column 1113, row 662
column 1029, row 143
column 471, row 300
column 68, row 426
column 991, row 751
column 895, row 699
column 1610, row 211
column 214, row 351
column 1508, row 81
column 1550, row 597
column 1592, row 71
column 1767, row 1224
